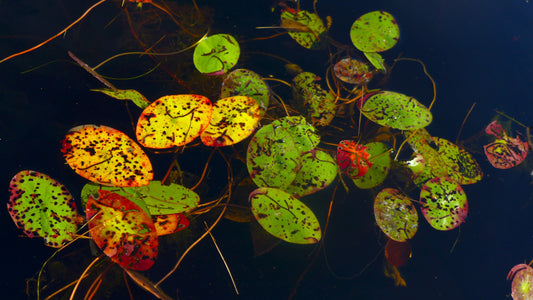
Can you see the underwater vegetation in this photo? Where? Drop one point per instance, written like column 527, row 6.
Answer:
column 272, row 145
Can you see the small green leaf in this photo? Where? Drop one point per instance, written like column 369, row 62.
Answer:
column 43, row 207
column 375, row 31
column 132, row 95
column 284, row 216
column 216, row 54
column 444, row 203
column 395, row 214
column 306, row 28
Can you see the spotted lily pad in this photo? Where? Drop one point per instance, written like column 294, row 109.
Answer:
column 216, row 54
column 444, row 203
column 106, row 156
column 375, row 31
column 317, row 172
column 381, row 164
column 43, row 207
column 233, row 120
column 522, row 285
column 395, row 215
column 242, row 82
column 505, row 152
column 123, row 230
column 284, row 216
column 273, row 158
column 319, row 103
column 353, row 71
column 396, row 110
column 132, row 95
column 306, row 28
column 159, row 199
column 173, row 121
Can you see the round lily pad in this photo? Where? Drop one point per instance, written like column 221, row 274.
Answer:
column 353, row 71
column 375, row 31
column 522, row 285
column 395, row 214
column 216, row 54
column 242, row 82
column 233, row 120
column 396, row 110
column 106, row 156
column 444, row 203
column 284, row 216
column 306, row 28
column 173, row 121
column 43, row 207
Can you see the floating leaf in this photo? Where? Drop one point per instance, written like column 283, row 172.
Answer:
column 381, row 164
column 353, row 158
column 273, row 159
column 43, row 207
column 216, row 54
column 317, row 172
column 106, row 156
column 234, row 119
column 522, row 285
column 167, row 224
column 123, row 230
column 353, row 71
column 242, row 82
column 395, row 214
column 396, row 110
column 505, row 152
column 303, row 134
column 159, row 199
column 173, row 121
column 284, row 216
column 462, row 167
column 375, row 31
column 444, row 203
column 306, row 28
column 376, row 60
column 132, row 95
column 320, row 104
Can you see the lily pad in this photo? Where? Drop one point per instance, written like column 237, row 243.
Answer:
column 395, row 215
column 123, row 230
column 396, row 110
column 43, row 207
column 306, row 28
column 216, row 54
column 375, row 31
column 381, row 164
column 173, row 121
column 522, row 285
column 242, row 82
column 233, row 120
column 284, row 216
column 352, row 71
column 444, row 203
column 505, row 152
column 106, row 156
column 319, row 103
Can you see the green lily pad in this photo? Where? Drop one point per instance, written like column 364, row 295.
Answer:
column 242, row 82
column 132, row 95
column 381, row 164
column 273, row 158
column 173, row 121
column 306, row 28
column 284, row 216
column 444, row 203
column 43, row 207
column 216, row 54
column 395, row 214
column 375, row 31
column 319, row 104
column 396, row 110
column 317, row 172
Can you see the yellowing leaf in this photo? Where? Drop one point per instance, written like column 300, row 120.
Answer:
column 106, row 156
column 173, row 121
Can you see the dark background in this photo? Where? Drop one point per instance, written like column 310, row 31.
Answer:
column 477, row 51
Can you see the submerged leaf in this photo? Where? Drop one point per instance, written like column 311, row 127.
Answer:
column 132, row 95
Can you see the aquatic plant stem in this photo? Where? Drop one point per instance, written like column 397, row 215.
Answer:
column 223, row 259
column 464, row 121
column 56, row 35
column 92, row 72
column 83, row 275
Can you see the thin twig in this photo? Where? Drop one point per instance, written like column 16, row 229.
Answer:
column 224, row 260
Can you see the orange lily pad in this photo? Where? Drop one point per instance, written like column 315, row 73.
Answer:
column 123, row 230
column 106, row 156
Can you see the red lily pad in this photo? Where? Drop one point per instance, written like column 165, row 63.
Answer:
column 123, row 230
column 505, row 152
column 522, row 285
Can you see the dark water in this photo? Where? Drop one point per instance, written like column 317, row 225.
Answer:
column 477, row 51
